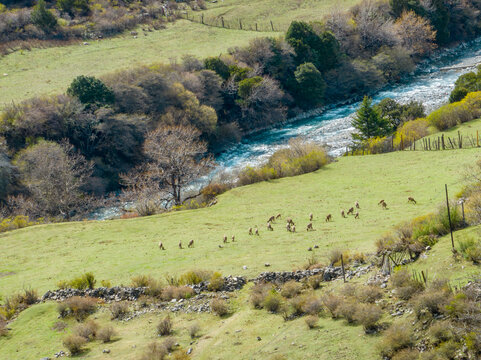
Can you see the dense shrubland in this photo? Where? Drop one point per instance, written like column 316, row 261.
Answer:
column 30, row 23
column 107, row 135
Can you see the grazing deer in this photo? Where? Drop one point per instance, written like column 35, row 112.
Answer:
column 343, row 214
column 384, row 205
column 161, row 246
column 191, row 244
column 269, row 227
column 293, row 228
column 380, row 202
column 225, row 239
column 350, row 211
column 411, row 200
column 180, row 244
column 309, row 227
column 328, row 218
column 356, row 204
column 233, row 238
column 311, row 216
column 288, row 227
column 250, row 231
column 278, row 216
column 256, row 231
column 356, row 216
column 271, row 219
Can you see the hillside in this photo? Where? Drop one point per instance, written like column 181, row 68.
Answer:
column 116, row 250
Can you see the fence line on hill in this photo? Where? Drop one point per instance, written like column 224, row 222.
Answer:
column 439, row 143
column 222, row 23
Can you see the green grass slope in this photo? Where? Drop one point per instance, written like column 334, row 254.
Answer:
column 116, row 250
column 50, row 70
column 280, row 12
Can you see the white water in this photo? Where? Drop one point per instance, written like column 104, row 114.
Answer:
column 430, row 85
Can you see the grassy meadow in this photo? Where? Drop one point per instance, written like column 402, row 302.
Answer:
column 116, row 250
column 280, row 12
column 50, row 70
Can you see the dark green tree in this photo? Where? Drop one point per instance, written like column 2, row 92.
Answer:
column 321, row 50
column 73, row 6
column 217, row 65
column 396, row 113
column 90, row 90
column 310, row 86
column 465, row 84
column 369, row 122
column 43, row 18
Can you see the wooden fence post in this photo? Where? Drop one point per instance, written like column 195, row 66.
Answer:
column 222, row 19
column 202, row 19
column 240, row 24
column 477, row 138
column 272, row 26
column 449, row 216
column 442, row 141
column 342, row 266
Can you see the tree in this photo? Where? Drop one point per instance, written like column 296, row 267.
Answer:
column 7, row 173
column 465, row 84
column 43, row 18
column 416, row 33
column 310, row 86
column 53, row 175
column 90, row 90
column 397, row 114
column 217, row 65
column 176, row 158
column 73, row 6
column 369, row 122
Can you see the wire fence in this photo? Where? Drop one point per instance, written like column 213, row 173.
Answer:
column 236, row 24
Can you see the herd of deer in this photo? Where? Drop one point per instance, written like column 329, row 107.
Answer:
column 291, row 226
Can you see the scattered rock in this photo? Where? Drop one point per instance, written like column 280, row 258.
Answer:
column 189, row 351
column 259, row 338
column 85, row 43
column 244, row 267
column 106, row 351
column 267, row 264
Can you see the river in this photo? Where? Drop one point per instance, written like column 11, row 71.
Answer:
column 431, row 84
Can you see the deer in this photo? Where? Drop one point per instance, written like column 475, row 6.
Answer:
column 233, row 238
column 350, row 211
column 278, row 216
column 309, row 227
column 269, row 227
column 271, row 219
column 311, row 216
column 161, row 246
column 256, row 231
column 180, row 244
column 380, row 202
column 328, row 218
column 250, row 231
column 191, row 244
column 411, row 200
column 293, row 228
column 225, row 239
column 356, row 216
column 288, row 227
column 343, row 214
column 384, row 205
column 356, row 204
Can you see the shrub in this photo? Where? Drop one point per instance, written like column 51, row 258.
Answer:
column 216, row 282
column 315, row 281
column 297, row 305
column 291, row 288
column 258, row 294
column 312, row 305
column 118, row 310
column 273, row 301
column 431, row 301
column 219, row 307
column 331, row 302
column 3, row 326
column 334, row 257
column 74, row 344
column 213, row 189
column 87, row 330
column 79, row 307
column 43, row 18
column 176, row 292
column 90, row 90
column 368, row 315
column 411, row 131
column 406, row 354
column 106, row 334
column 106, row 283
column 405, row 285
column 470, row 248
column 30, row 297
column 155, row 351
column 85, row 281
column 194, row 277
column 440, row 332
column 347, row 309
column 368, row 294
column 398, row 336
column 311, row 321
column 142, row 281
column 164, row 327
column 194, row 330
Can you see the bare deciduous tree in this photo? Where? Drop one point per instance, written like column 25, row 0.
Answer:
column 176, row 159
column 416, row 33
column 53, row 175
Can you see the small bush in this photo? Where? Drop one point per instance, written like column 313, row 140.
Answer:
column 258, row 294
column 368, row 294
column 347, row 309
column 272, row 302
column 164, row 327
column 311, row 321
column 470, row 248
column 79, row 307
column 312, row 305
column 216, row 282
column 176, row 292
column 440, row 332
column 142, row 281
column 297, row 305
column 74, row 343
column 432, row 302
column 87, row 330
column 406, row 354
column 194, row 330
column 118, row 310
column 106, row 334
column 85, row 281
column 30, row 297
column 106, row 283
column 315, row 281
column 405, row 285
column 398, row 336
column 194, row 277
column 155, row 351
column 368, row 316
column 3, row 327
column 291, row 288
column 213, row 189
column 331, row 303
column 219, row 307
